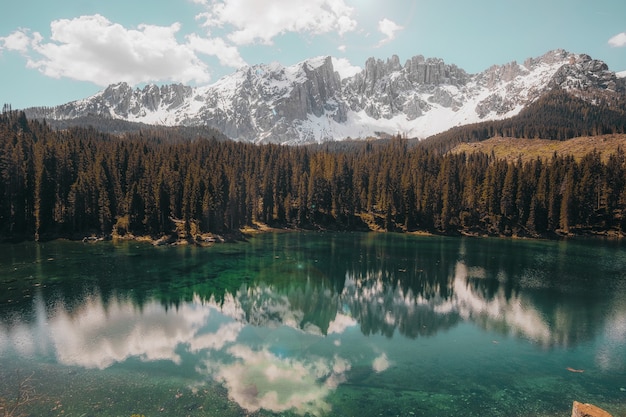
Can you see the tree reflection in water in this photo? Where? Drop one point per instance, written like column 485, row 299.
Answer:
column 284, row 320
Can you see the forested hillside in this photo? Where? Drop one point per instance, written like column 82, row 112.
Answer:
column 77, row 182
column 557, row 115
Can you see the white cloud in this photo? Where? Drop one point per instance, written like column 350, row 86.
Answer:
column 16, row 41
column 228, row 55
column 388, row 28
column 618, row 40
column 91, row 48
column 259, row 21
column 345, row 68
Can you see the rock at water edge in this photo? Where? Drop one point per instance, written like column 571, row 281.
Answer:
column 588, row 410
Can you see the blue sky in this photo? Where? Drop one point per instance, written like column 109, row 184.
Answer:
column 52, row 52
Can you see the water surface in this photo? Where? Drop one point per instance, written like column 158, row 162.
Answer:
column 317, row 324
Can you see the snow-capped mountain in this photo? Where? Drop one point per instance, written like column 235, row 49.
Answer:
column 311, row 102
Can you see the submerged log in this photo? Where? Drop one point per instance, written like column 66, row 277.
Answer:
column 588, row 410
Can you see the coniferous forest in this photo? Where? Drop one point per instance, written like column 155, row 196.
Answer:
column 77, row 182
column 557, row 115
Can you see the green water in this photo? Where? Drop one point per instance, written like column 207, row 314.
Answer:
column 314, row 324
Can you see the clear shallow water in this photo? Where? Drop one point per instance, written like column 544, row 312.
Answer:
column 318, row 324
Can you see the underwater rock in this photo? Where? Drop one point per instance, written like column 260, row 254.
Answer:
column 588, row 410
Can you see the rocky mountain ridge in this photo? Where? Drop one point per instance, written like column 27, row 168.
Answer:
column 311, row 102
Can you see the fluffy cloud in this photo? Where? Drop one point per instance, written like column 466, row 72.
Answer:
column 618, row 40
column 228, row 55
column 17, row 41
column 388, row 28
column 94, row 49
column 259, row 21
column 91, row 48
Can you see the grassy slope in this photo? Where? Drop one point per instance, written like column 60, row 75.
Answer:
column 527, row 149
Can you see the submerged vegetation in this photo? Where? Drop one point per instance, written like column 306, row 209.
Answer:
column 79, row 181
column 20, row 396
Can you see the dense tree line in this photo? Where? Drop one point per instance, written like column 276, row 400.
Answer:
column 557, row 115
column 79, row 181
column 120, row 126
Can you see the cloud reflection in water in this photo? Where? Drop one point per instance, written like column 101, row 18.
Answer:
column 98, row 336
column 273, row 371
column 260, row 379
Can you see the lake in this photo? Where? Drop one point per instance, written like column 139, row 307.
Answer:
column 320, row 324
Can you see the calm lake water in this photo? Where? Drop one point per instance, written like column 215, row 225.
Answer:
column 315, row 324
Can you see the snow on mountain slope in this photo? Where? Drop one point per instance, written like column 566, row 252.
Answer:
column 326, row 98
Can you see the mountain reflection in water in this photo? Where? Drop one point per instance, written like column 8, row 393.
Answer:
column 272, row 319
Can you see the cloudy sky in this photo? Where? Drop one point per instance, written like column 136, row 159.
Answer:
column 55, row 52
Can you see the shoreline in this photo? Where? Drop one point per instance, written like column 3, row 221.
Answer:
column 181, row 238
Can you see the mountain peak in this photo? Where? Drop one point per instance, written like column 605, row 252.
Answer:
column 310, row 101
column 319, row 61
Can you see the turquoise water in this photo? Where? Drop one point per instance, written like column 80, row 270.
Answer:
column 314, row 324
